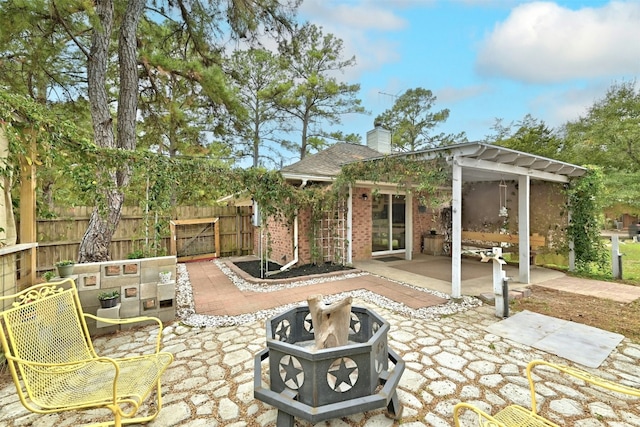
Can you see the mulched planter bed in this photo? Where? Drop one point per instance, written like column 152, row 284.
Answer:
column 253, row 268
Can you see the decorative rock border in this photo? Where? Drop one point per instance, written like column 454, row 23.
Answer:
column 187, row 314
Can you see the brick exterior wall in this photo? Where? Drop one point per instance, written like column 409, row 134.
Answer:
column 361, row 217
column 279, row 236
column 304, row 234
column 548, row 215
column 282, row 235
column 479, row 212
column 424, row 219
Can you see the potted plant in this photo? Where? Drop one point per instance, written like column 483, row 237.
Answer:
column 109, row 299
column 65, row 267
column 137, row 254
column 48, row 275
column 165, row 277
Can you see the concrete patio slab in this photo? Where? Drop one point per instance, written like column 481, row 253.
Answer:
column 579, row 343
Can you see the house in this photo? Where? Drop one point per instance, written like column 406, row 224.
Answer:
column 495, row 196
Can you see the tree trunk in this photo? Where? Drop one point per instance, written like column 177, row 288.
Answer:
column 128, row 99
column 97, row 237
column 256, row 137
column 303, row 139
column 96, row 242
column 330, row 322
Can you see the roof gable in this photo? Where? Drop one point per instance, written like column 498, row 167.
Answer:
column 329, row 162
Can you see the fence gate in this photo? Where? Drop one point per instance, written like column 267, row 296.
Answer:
column 194, row 239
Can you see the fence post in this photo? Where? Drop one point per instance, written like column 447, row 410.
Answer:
column 28, row 210
column 616, row 257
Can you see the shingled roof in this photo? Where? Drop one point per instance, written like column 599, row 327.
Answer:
column 329, row 162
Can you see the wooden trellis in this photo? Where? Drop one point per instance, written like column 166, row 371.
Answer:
column 331, row 235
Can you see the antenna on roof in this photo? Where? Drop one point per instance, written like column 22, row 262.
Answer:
column 396, row 96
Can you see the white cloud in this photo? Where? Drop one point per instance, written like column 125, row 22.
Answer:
column 561, row 106
column 363, row 15
column 362, row 26
column 542, row 42
column 487, row 3
column 452, row 95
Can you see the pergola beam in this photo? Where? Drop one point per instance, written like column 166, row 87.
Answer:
column 503, row 168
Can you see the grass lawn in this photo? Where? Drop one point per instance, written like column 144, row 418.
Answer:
column 630, row 261
column 600, row 313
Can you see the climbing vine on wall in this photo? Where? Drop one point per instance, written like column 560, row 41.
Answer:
column 67, row 148
column 410, row 174
column 65, row 151
column 25, row 121
column 584, row 195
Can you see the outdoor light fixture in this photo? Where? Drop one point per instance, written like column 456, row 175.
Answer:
column 364, row 196
column 503, row 199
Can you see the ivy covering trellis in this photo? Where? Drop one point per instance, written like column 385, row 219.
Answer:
column 584, row 202
column 66, row 149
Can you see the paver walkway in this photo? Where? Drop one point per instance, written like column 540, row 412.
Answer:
column 595, row 288
column 214, row 294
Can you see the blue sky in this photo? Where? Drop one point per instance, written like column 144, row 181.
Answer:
column 484, row 59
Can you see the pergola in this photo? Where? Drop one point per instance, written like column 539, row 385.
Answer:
column 472, row 162
column 469, row 162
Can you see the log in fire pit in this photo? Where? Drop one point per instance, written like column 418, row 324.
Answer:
column 316, row 384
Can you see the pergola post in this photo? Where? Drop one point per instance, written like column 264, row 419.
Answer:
column 524, row 227
column 350, row 226
column 456, row 230
column 572, row 249
column 408, row 252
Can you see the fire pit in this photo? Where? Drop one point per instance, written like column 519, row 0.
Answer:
column 320, row 384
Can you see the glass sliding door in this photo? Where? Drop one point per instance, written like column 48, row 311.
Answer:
column 388, row 223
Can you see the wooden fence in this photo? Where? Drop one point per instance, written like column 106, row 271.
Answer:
column 59, row 238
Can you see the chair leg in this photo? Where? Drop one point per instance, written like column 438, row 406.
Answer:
column 118, row 421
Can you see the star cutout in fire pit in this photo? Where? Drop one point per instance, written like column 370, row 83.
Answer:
column 342, row 374
column 291, row 372
column 282, row 330
column 354, row 324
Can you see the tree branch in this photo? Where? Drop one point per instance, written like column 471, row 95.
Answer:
column 68, row 30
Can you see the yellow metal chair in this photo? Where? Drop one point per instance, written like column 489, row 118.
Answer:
column 55, row 367
column 515, row 415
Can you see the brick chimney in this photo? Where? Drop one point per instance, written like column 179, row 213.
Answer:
column 379, row 139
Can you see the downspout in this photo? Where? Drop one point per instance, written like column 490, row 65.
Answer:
column 294, row 261
column 295, row 247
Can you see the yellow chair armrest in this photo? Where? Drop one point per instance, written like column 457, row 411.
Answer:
column 132, row 320
column 484, row 419
column 69, row 367
column 582, row 375
column 62, row 366
column 127, row 320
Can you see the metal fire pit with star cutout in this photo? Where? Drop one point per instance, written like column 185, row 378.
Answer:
column 317, row 385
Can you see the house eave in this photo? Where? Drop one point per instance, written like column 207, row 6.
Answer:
column 488, row 158
column 307, row 177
